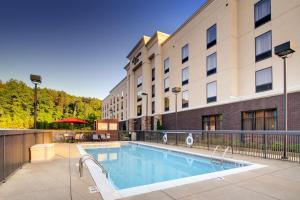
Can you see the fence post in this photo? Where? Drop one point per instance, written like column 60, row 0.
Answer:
column 4, row 178
column 231, row 137
column 265, row 145
column 207, row 140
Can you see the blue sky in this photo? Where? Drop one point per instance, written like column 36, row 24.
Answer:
column 80, row 46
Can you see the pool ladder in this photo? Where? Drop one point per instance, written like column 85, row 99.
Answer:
column 223, row 155
column 88, row 157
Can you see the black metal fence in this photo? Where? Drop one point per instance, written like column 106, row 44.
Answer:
column 265, row 144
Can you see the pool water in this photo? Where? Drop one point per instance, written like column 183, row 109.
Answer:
column 134, row 165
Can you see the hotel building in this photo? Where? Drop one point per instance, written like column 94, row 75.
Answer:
column 223, row 60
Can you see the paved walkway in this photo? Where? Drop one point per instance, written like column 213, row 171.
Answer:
column 50, row 180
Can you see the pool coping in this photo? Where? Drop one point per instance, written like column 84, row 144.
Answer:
column 110, row 193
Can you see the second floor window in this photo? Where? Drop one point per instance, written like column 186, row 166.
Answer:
column 262, row 12
column 185, row 99
column 211, row 36
column 153, row 107
column 263, row 79
column 167, row 84
column 139, row 110
column 185, row 53
column 211, row 92
column 211, row 64
column 139, row 81
column 166, row 65
column 167, row 104
column 139, row 96
column 263, row 46
column 185, row 76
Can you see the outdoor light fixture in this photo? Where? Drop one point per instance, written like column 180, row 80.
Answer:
column 283, row 50
column 146, row 94
column 35, row 79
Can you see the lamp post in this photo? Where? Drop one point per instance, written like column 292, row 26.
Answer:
column 176, row 90
column 146, row 94
column 35, row 79
column 283, row 50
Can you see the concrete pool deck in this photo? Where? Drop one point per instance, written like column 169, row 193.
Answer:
column 50, row 180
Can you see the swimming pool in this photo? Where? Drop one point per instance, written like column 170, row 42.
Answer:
column 135, row 168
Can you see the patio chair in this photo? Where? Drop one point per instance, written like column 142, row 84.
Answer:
column 79, row 137
column 108, row 137
column 103, row 137
column 95, row 137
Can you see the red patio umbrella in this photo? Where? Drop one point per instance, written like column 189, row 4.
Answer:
column 71, row 120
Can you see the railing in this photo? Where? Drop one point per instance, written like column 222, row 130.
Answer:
column 266, row 144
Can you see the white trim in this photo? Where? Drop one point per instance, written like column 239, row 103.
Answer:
column 109, row 193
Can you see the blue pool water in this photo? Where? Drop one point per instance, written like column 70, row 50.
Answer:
column 134, row 165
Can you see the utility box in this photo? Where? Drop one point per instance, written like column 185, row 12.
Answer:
column 42, row 152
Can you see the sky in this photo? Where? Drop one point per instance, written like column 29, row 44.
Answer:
column 80, row 46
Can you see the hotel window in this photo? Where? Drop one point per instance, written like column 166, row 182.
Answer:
column 211, row 35
column 185, row 76
column 153, row 107
column 211, row 64
column 263, row 46
column 139, row 110
column 212, row 122
column 139, row 81
column 122, row 105
column 153, row 91
column 262, row 12
column 263, row 79
column 167, row 104
column 167, row 84
column 212, row 92
column 259, row 120
column 153, row 74
column 139, row 96
column 185, row 99
column 117, row 107
column 122, row 95
column 185, row 53
column 122, row 116
column 166, row 65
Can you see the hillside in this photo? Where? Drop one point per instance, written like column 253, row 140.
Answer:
column 16, row 107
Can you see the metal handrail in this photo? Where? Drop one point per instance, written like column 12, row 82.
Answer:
column 213, row 153
column 89, row 157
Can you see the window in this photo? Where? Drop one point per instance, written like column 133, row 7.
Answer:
column 122, row 117
column 212, row 92
column 263, row 79
column 185, row 53
column 211, row 64
column 139, row 96
column 166, row 84
column 153, row 107
column 166, row 65
column 262, row 12
column 122, row 105
column 167, row 104
column 211, row 35
column 139, row 81
column 212, row 122
column 259, row 120
column 122, row 95
column 117, row 107
column 153, row 74
column 139, row 110
column 263, row 46
column 153, row 90
column 185, row 76
column 185, row 99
